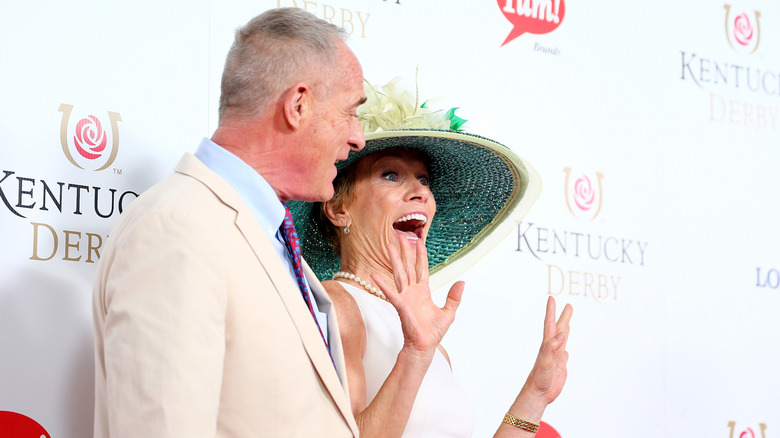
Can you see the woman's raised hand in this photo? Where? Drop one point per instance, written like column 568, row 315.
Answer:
column 549, row 372
column 423, row 322
column 548, row 375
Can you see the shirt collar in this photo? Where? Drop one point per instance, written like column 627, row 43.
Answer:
column 253, row 189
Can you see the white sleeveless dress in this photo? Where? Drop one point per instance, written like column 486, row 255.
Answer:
column 441, row 408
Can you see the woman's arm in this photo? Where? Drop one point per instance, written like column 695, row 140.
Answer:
column 389, row 412
column 547, row 377
column 353, row 341
column 424, row 325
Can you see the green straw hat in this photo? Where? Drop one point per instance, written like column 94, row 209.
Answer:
column 482, row 191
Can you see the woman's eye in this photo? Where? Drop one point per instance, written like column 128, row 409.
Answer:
column 390, row 176
column 423, row 180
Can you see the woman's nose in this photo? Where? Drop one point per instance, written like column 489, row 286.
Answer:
column 417, row 190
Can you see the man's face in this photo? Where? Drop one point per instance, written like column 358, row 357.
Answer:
column 334, row 129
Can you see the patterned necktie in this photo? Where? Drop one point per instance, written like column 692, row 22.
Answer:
column 294, row 247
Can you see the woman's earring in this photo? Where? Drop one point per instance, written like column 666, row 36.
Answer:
column 346, row 229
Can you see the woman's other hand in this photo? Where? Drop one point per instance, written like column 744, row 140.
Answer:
column 549, row 372
column 424, row 324
column 546, row 380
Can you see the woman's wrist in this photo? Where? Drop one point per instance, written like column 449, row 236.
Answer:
column 417, row 356
column 529, row 405
column 520, row 424
column 523, row 418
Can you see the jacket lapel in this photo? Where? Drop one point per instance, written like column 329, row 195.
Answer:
column 286, row 287
column 325, row 304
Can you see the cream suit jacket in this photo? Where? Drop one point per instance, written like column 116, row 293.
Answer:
column 199, row 329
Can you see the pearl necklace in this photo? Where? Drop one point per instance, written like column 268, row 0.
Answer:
column 371, row 289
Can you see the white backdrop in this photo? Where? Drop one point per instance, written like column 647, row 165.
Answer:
column 665, row 116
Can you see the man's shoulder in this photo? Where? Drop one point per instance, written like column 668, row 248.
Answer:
column 179, row 197
column 190, row 179
column 174, row 189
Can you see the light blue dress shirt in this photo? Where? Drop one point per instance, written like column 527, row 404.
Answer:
column 261, row 199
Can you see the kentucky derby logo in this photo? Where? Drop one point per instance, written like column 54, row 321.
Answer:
column 747, row 432
column 13, row 424
column 583, row 194
column 85, row 141
column 742, row 30
column 532, row 16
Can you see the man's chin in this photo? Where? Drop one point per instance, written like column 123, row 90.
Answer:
column 323, row 196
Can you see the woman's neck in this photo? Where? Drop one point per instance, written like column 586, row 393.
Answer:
column 363, row 267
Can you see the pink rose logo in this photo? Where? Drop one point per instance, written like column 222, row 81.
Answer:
column 747, row 433
column 743, row 29
column 90, row 139
column 90, row 135
column 584, row 195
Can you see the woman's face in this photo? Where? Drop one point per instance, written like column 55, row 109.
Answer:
column 391, row 200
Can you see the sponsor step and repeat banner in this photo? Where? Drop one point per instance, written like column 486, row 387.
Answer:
column 655, row 127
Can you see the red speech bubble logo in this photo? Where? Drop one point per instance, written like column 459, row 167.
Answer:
column 17, row 425
column 546, row 431
column 532, row 16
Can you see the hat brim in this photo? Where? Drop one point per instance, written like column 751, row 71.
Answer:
column 482, row 191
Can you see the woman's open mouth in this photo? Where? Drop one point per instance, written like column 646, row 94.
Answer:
column 411, row 226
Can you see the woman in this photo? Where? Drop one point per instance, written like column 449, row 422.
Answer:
column 378, row 222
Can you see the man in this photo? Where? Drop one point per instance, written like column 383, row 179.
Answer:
column 202, row 328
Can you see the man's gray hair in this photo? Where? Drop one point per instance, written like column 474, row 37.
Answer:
column 273, row 51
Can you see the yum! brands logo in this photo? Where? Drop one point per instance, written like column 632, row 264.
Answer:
column 13, row 424
column 742, row 30
column 532, row 16
column 85, row 141
column 584, row 194
column 546, row 431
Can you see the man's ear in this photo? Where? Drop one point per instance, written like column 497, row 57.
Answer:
column 337, row 215
column 298, row 104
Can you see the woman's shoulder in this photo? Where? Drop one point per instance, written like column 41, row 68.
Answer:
column 347, row 309
column 338, row 293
